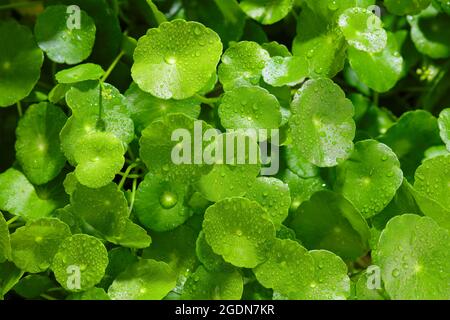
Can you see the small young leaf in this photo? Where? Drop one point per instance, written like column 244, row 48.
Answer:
column 267, row 11
column 82, row 72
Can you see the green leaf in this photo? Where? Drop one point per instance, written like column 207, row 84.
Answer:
column 379, row 71
column 363, row 30
column 81, row 255
column 133, row 236
column 20, row 62
column 404, row 7
column 61, row 38
column 37, row 146
column 233, row 171
column 159, row 16
column 176, row 60
column 444, row 127
column 119, row 259
column 5, row 243
column 82, row 72
column 34, row 245
column 160, row 204
column 83, row 99
column 276, row 49
column 145, row 108
column 413, row 254
column 33, row 285
column 104, row 209
column 90, row 294
column 322, row 124
column 9, row 276
column 99, row 157
column 280, row 270
column 143, row 280
column 267, row 11
column 410, row 137
column 273, row 195
column 249, row 108
column 370, row 178
column 280, row 71
column 430, row 32
column 328, row 221
column 177, row 249
column 157, row 148
column 18, row 196
column 237, row 230
column 432, row 178
column 320, row 43
column 210, row 260
column 363, row 292
column 208, row 285
column 242, row 65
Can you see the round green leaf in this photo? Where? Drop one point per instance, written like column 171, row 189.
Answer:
column 34, row 245
column 330, row 279
column 160, row 204
column 81, row 255
column 104, row 209
column 207, row 285
column 5, row 243
column 379, row 71
column 37, row 146
column 320, row 43
column 322, row 124
column 328, row 221
column 276, row 49
column 145, row 108
column 242, row 65
column 281, row 269
column 267, row 11
column 404, row 7
column 444, row 127
column 179, row 160
column 144, row 280
column 20, row 62
column 410, row 137
column 249, row 108
column 99, row 157
column 233, row 172
column 176, row 60
column 33, row 285
column 63, row 41
column 19, row 197
column 237, row 230
column 413, row 254
column 177, row 249
column 273, row 195
column 433, row 179
column 363, row 30
column 363, row 292
column 210, row 260
column 370, row 178
column 280, row 71
column 82, row 72
column 430, row 32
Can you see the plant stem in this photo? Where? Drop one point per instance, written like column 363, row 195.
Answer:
column 112, row 66
column 12, row 220
column 47, row 297
column 376, row 98
column 20, row 5
column 100, row 102
column 126, row 174
column 133, row 195
column 208, row 101
column 19, row 109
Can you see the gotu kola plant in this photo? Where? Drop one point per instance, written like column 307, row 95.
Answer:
column 118, row 180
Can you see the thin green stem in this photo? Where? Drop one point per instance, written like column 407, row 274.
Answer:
column 376, row 98
column 48, row 297
column 126, row 174
column 12, row 220
column 209, row 101
column 54, row 72
column 133, row 195
column 100, row 102
column 112, row 66
column 19, row 109
column 20, row 5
